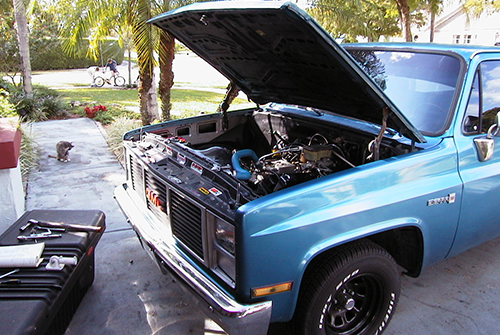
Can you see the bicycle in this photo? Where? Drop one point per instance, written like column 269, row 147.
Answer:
column 117, row 80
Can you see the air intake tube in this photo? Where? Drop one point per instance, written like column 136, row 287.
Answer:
column 240, row 172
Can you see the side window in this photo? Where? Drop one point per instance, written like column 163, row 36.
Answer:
column 490, row 73
column 471, row 123
column 484, row 99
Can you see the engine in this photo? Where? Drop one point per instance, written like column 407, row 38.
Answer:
column 265, row 156
column 288, row 164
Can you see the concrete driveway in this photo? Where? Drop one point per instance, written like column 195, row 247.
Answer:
column 130, row 296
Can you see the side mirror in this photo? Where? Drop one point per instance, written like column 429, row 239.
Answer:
column 485, row 145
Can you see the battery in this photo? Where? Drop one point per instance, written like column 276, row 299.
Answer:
column 41, row 301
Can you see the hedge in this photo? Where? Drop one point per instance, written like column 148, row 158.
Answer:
column 56, row 59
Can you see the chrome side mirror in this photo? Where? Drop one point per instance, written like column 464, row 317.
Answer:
column 485, row 145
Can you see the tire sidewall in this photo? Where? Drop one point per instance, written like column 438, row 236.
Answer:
column 99, row 81
column 379, row 268
column 119, row 81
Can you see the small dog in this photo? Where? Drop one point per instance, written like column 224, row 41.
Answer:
column 62, row 150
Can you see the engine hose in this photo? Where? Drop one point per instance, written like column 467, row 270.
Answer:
column 240, row 172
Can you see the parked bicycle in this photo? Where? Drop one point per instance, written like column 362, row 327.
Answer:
column 115, row 80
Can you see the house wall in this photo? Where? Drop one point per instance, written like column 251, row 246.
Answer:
column 453, row 26
column 11, row 196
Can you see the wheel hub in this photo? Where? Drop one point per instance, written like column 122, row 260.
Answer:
column 353, row 306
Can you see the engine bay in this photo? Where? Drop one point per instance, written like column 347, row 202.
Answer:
column 261, row 151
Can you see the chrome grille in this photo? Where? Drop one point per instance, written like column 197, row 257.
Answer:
column 136, row 175
column 186, row 218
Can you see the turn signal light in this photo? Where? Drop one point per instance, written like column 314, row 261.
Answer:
column 267, row 290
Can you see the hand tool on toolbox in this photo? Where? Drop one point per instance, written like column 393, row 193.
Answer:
column 67, row 226
column 9, row 273
column 34, row 235
column 37, row 236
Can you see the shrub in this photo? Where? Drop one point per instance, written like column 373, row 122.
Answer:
column 115, row 133
column 44, row 104
column 29, row 155
column 6, row 108
column 106, row 115
column 59, row 60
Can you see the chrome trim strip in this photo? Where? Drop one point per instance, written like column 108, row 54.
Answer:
column 233, row 317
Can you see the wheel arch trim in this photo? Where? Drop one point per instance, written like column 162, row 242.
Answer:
column 377, row 233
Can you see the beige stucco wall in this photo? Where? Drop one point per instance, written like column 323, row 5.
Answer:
column 11, row 196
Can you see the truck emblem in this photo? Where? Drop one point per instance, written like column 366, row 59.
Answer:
column 449, row 199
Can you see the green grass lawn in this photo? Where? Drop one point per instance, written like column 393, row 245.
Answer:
column 184, row 102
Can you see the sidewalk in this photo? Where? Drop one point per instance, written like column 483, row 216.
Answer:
column 129, row 294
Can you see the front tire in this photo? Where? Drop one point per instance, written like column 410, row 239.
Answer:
column 353, row 292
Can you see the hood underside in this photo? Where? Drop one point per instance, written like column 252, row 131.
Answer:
column 275, row 52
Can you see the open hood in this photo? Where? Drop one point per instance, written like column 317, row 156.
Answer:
column 275, row 52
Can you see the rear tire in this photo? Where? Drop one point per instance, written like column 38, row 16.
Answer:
column 99, row 81
column 354, row 292
column 119, row 81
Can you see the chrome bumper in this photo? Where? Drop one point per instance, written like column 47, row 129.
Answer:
column 233, row 317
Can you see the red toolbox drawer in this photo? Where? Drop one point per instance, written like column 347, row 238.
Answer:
column 39, row 301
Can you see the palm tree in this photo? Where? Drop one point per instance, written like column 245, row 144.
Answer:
column 96, row 19
column 166, row 52
column 404, row 16
column 92, row 21
column 434, row 7
column 143, row 35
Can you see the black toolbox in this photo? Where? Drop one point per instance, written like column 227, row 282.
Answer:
column 40, row 301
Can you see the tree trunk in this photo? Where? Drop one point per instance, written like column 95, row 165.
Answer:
column 433, row 20
column 129, row 66
column 24, row 49
column 404, row 15
column 143, row 37
column 147, row 98
column 166, row 58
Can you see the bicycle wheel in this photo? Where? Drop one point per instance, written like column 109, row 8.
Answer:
column 119, row 81
column 99, row 81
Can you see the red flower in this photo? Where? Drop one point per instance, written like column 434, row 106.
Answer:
column 92, row 112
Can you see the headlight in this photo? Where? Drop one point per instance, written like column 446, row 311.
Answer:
column 224, row 235
column 223, row 248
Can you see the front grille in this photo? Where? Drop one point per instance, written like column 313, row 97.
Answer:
column 136, row 176
column 185, row 218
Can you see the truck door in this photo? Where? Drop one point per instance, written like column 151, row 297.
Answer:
column 480, row 211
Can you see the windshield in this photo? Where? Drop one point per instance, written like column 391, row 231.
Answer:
column 421, row 85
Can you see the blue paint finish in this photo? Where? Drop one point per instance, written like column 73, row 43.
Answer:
column 286, row 230
column 479, row 220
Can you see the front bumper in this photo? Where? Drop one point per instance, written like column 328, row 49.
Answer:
column 233, row 317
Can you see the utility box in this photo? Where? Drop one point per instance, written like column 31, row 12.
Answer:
column 10, row 145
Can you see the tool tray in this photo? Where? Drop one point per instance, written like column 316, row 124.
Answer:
column 41, row 301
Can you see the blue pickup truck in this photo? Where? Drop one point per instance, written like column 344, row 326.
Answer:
column 356, row 164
